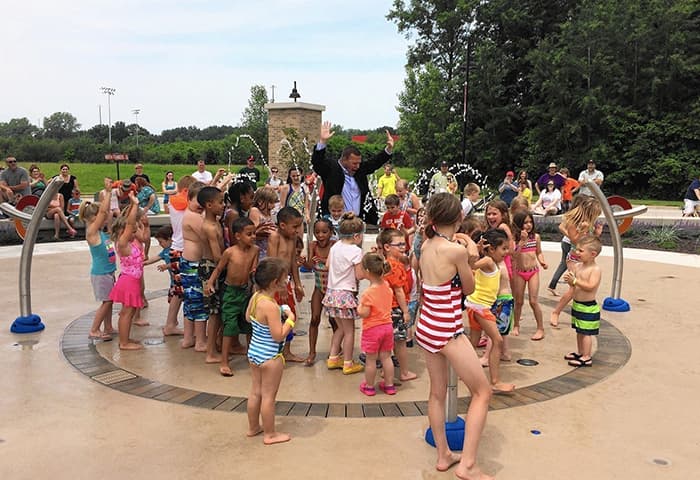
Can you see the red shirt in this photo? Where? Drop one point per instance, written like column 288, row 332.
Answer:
column 401, row 219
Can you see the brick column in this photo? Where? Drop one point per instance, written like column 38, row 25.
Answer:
column 305, row 118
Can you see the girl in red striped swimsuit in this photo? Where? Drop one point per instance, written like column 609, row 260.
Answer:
column 446, row 276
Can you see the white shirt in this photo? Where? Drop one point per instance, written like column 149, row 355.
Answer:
column 341, row 266
column 204, row 177
column 587, row 176
column 176, row 217
column 551, row 199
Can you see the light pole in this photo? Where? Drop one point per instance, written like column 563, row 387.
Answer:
column 109, row 92
column 136, row 112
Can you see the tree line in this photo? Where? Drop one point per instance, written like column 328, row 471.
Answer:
column 616, row 81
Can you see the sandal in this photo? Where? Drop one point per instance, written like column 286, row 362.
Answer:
column 388, row 389
column 572, row 356
column 581, row 363
column 368, row 389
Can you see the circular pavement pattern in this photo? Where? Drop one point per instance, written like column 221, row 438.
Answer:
column 612, row 353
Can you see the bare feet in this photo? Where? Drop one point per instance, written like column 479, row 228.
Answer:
column 552, row 292
column 501, row 388
column 239, row 350
column 213, row 359
column 290, row 357
column 141, row 323
column 515, row 331
column 539, row 335
column 277, row 437
column 506, row 357
column 130, row 346
column 168, row 331
column 471, row 473
column 310, row 360
column 444, row 464
column 252, row 432
column 554, row 320
column 200, row 347
column 484, row 361
column 408, row 376
column 226, row 372
column 186, row 343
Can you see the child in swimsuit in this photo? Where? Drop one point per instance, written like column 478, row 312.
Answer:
column 264, row 201
column 271, row 324
column 577, row 223
column 318, row 262
column 487, row 277
column 526, row 271
column 445, row 276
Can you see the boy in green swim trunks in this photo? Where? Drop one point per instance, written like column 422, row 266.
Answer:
column 239, row 261
column 585, row 311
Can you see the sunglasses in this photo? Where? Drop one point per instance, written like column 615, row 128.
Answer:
column 12, row 162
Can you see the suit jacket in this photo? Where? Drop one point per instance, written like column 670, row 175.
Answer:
column 333, row 178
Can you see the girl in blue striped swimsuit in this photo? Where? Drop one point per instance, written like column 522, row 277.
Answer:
column 271, row 325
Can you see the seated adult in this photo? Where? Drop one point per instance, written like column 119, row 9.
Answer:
column 348, row 176
column 55, row 212
column 508, row 189
column 551, row 175
column 146, row 194
column 691, row 201
column 37, row 180
column 14, row 182
column 549, row 202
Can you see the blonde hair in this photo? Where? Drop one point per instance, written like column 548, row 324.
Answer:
column 121, row 221
column 350, row 225
column 264, row 195
column 470, row 188
column 336, row 201
column 587, row 211
column 590, row 242
column 88, row 211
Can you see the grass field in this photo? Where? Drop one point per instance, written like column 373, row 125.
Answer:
column 90, row 176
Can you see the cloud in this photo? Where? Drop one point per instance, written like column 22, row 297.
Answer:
column 194, row 63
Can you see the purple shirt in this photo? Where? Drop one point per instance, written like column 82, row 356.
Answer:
column 558, row 181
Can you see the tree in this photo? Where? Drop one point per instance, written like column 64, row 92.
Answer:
column 61, row 125
column 18, row 127
column 254, row 120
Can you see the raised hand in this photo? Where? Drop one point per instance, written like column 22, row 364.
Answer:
column 389, row 141
column 326, row 132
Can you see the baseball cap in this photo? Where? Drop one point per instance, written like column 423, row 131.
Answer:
column 552, row 165
column 591, row 161
column 510, row 173
column 444, row 164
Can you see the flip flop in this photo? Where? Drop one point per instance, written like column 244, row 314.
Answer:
column 572, row 356
column 105, row 337
column 578, row 363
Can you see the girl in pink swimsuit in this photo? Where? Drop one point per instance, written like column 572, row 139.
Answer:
column 527, row 259
column 126, row 234
column 446, row 275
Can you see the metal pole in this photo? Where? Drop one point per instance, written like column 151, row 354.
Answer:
column 25, row 262
column 465, row 111
column 615, row 237
column 109, row 119
column 451, row 395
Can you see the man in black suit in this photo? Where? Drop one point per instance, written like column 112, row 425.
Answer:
column 348, row 175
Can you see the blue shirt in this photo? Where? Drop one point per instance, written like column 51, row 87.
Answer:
column 351, row 192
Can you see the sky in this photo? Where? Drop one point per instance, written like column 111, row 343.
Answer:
column 194, row 62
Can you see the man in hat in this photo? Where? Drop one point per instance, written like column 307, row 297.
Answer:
column 347, row 176
column 552, row 175
column 589, row 175
column 440, row 180
column 508, row 189
column 250, row 172
column 121, row 193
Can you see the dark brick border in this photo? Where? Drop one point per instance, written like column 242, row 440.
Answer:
column 614, row 351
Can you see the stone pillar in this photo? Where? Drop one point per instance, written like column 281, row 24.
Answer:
column 305, row 118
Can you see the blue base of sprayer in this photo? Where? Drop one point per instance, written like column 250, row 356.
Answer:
column 455, row 435
column 28, row 324
column 615, row 305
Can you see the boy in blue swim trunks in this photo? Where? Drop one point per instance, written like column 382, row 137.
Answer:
column 585, row 311
column 196, row 314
